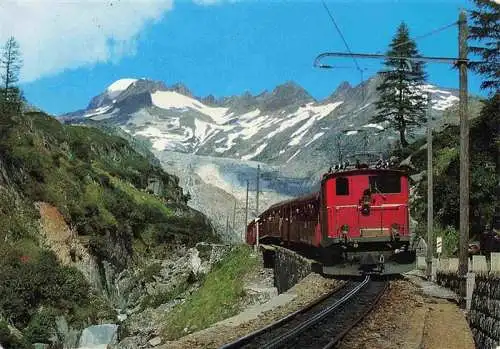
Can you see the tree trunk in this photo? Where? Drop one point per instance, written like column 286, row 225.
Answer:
column 402, row 138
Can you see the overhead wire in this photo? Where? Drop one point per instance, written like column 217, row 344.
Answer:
column 345, row 43
column 432, row 32
column 340, row 33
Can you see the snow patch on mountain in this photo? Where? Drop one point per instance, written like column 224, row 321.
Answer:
column 441, row 99
column 161, row 140
column 294, row 154
column 259, row 150
column 229, row 143
column 202, row 130
column 98, row 111
column 315, row 113
column 315, row 137
column 119, row 86
column 174, row 100
column 378, row 126
column 444, row 102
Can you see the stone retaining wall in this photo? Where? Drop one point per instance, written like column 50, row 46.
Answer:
column 290, row 268
column 483, row 294
column 448, row 280
column 484, row 316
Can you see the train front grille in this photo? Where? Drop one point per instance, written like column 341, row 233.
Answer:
column 374, row 232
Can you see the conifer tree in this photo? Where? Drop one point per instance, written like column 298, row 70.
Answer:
column 10, row 66
column 484, row 31
column 401, row 102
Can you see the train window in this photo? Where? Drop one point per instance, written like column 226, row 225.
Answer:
column 387, row 183
column 342, row 186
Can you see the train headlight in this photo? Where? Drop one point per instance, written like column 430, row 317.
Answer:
column 344, row 229
column 365, row 209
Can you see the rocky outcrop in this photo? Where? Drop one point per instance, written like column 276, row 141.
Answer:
column 63, row 241
column 58, row 237
column 152, row 291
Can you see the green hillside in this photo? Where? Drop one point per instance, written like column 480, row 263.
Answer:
column 122, row 206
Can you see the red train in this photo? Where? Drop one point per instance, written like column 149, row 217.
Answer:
column 359, row 219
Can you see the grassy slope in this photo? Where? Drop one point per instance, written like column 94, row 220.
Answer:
column 100, row 185
column 218, row 298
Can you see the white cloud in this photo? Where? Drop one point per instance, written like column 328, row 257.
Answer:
column 55, row 35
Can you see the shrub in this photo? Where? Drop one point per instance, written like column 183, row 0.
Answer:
column 31, row 281
column 9, row 341
column 41, row 326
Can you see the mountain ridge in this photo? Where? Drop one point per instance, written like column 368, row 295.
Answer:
column 294, row 137
column 245, row 126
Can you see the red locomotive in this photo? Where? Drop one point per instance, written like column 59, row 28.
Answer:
column 359, row 219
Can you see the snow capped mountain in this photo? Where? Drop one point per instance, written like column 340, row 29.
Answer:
column 275, row 127
column 214, row 144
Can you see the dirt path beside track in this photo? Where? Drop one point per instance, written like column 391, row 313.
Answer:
column 406, row 318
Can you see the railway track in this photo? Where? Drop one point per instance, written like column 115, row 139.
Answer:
column 321, row 324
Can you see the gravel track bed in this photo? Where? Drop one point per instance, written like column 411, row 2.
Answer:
column 338, row 321
column 266, row 337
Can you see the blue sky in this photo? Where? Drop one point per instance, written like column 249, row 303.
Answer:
column 230, row 47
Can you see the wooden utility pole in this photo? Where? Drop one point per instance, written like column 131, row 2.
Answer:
column 257, row 237
column 246, row 213
column 234, row 215
column 430, row 192
column 464, row 147
column 258, row 190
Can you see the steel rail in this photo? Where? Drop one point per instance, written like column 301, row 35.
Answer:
column 246, row 339
column 306, row 324
column 342, row 334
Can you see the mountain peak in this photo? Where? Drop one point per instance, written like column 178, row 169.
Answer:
column 181, row 88
column 344, row 86
column 119, row 86
column 344, row 90
column 290, row 87
column 286, row 94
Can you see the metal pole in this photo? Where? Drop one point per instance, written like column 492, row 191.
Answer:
column 246, row 211
column 258, row 190
column 464, row 147
column 430, row 205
